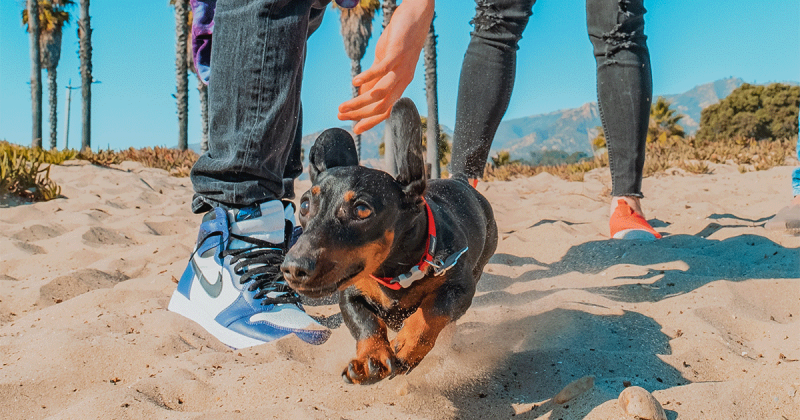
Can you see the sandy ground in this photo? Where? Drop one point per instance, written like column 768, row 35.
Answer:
column 706, row 318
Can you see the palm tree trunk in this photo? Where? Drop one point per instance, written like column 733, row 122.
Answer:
column 52, row 84
column 85, row 30
column 433, row 102
column 388, row 9
column 203, row 89
column 182, row 72
column 355, row 69
column 36, row 73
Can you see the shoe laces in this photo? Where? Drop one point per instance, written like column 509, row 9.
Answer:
column 260, row 266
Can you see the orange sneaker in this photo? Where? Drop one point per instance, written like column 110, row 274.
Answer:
column 626, row 224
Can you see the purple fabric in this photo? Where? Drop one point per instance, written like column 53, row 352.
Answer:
column 202, row 27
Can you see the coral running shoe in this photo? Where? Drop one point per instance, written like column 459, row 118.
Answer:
column 626, row 224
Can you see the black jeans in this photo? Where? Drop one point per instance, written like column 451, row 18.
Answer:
column 255, row 115
column 624, row 84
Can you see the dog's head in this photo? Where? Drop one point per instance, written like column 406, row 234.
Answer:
column 351, row 213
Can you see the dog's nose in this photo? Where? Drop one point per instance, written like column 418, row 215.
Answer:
column 297, row 269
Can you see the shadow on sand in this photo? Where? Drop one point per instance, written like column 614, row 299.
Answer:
column 734, row 259
column 556, row 348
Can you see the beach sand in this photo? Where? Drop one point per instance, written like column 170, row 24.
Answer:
column 707, row 319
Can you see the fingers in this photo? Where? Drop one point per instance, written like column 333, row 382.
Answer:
column 367, row 98
column 368, row 123
column 378, row 70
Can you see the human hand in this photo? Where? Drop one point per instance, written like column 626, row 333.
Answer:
column 396, row 56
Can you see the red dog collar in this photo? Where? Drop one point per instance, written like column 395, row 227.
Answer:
column 419, row 271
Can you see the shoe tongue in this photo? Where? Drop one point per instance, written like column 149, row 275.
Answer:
column 263, row 221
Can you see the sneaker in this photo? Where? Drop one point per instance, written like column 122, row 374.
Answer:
column 787, row 219
column 626, row 224
column 233, row 286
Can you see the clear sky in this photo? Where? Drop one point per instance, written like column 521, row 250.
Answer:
column 691, row 42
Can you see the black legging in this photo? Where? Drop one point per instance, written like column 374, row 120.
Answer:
column 624, row 84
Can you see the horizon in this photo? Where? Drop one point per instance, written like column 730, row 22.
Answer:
column 133, row 107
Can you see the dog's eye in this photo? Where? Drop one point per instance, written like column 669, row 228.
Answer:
column 362, row 211
column 304, row 205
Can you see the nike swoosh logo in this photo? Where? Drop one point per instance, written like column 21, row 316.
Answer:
column 213, row 290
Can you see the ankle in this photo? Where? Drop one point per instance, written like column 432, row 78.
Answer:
column 633, row 202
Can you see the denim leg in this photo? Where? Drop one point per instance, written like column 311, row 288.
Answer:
column 294, row 167
column 624, row 87
column 254, row 101
column 796, row 174
column 486, row 82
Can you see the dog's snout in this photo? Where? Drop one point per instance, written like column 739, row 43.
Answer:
column 297, row 269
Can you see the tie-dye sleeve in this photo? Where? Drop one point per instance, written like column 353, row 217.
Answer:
column 202, row 27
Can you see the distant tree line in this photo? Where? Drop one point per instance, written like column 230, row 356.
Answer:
column 751, row 111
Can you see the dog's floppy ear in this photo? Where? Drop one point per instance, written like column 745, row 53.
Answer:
column 334, row 147
column 405, row 138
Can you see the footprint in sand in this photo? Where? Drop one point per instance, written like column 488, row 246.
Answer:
column 75, row 284
column 30, row 248
column 167, row 227
column 98, row 236
column 38, row 232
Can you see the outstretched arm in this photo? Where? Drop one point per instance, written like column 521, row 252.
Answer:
column 396, row 56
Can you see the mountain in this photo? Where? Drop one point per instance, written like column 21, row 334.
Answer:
column 692, row 102
column 569, row 130
column 572, row 130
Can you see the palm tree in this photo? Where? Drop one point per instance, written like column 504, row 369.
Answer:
column 36, row 73
column 388, row 7
column 85, row 35
column 181, row 70
column 52, row 18
column 202, row 88
column 599, row 142
column 663, row 125
column 433, row 101
column 356, row 32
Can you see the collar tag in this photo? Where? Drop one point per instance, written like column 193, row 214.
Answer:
column 440, row 267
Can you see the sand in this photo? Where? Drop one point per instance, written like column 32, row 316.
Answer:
column 706, row 319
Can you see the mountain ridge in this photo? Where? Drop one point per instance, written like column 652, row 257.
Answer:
column 570, row 130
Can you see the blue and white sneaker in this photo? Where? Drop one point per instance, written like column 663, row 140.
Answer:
column 233, row 286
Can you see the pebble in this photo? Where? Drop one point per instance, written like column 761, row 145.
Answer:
column 574, row 389
column 637, row 402
column 403, row 389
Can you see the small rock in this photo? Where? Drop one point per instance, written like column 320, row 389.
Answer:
column 574, row 389
column 404, row 389
column 638, row 403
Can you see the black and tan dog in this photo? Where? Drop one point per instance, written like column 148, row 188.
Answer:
column 407, row 253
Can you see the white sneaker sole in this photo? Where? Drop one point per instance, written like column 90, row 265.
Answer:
column 182, row 306
column 635, row 234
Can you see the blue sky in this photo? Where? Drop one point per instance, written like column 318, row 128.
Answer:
column 691, row 42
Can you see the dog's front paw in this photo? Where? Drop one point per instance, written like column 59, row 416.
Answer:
column 369, row 371
column 375, row 361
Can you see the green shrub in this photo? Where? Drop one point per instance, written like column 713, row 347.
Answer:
column 759, row 112
column 26, row 172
